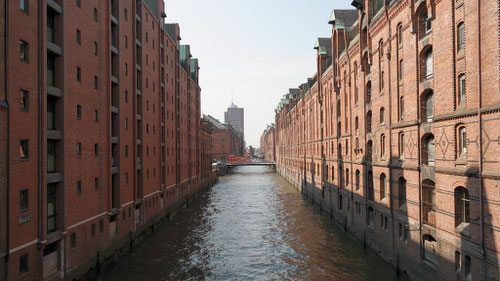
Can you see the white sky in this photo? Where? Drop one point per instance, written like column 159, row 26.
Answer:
column 255, row 49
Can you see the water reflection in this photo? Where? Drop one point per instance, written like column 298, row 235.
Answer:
column 252, row 225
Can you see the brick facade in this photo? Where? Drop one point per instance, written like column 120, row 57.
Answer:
column 107, row 138
column 395, row 134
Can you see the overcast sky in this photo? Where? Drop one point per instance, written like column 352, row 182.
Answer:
column 255, row 49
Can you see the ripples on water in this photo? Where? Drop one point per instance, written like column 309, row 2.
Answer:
column 252, row 225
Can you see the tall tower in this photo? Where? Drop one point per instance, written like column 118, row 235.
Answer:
column 235, row 116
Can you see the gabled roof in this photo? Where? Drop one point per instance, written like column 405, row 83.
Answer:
column 214, row 122
column 324, row 46
column 343, row 18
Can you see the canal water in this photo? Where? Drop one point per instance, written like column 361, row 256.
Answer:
column 252, row 225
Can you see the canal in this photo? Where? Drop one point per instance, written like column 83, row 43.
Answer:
column 252, row 225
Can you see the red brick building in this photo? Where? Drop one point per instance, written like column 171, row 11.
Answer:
column 226, row 140
column 268, row 143
column 395, row 134
column 207, row 174
column 99, row 115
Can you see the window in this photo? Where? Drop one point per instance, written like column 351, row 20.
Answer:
column 79, row 149
column 461, row 36
column 23, row 5
column 369, row 122
column 401, row 108
column 96, row 149
column 96, row 49
column 78, row 74
column 96, row 15
column 125, row 14
column 382, row 75
column 24, row 100
column 79, row 187
column 382, row 186
column 51, row 71
column 425, row 23
column 51, row 156
column 126, row 69
column 101, row 225
column 428, row 150
column 347, row 176
column 428, row 64
column 126, row 42
column 23, row 262
column 92, row 230
column 369, row 183
column 356, row 123
column 23, row 200
column 96, row 184
column 402, row 193
column 72, row 240
column 401, row 144
column 96, row 82
column 467, row 267
column 78, row 37
column 428, row 202
column 401, row 70
column 23, row 51
column 24, row 149
column 369, row 92
column 96, row 116
column 382, row 145
column 51, row 207
column 462, row 210
column 126, row 151
column 78, row 112
column 430, row 248
column 461, row 90
column 458, row 262
column 126, row 123
column 462, row 141
column 400, row 35
column 126, row 96
column 358, row 175
column 427, row 107
column 382, row 115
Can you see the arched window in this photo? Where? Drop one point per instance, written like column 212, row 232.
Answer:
column 461, row 89
column 428, row 64
column 357, row 146
column 402, row 193
column 462, row 141
column 368, row 92
column 326, row 173
column 382, row 80
column 358, row 175
column 382, row 145
column 369, row 184
column 425, row 23
column 428, row 202
column 382, row 115
column 356, row 123
column 400, row 34
column 369, row 122
column 461, row 36
column 427, row 106
column 462, row 210
column 355, row 82
column 333, row 173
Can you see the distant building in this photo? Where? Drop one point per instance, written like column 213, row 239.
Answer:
column 226, row 140
column 235, row 116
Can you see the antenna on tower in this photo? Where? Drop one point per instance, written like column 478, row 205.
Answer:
column 232, row 100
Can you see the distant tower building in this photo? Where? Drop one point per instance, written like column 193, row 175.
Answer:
column 235, row 116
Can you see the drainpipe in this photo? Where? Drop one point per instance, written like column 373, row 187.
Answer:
column 480, row 129
column 6, row 73
column 389, row 121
